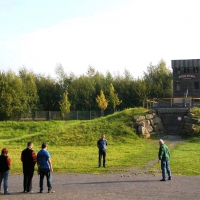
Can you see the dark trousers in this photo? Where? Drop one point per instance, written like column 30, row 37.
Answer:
column 102, row 153
column 28, row 181
column 47, row 173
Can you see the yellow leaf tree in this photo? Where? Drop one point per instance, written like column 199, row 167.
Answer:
column 102, row 102
column 113, row 97
column 64, row 104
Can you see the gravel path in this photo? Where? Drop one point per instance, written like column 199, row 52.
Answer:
column 109, row 186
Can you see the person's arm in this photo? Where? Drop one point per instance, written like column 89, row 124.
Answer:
column 8, row 162
column 168, row 152
column 50, row 164
column 34, row 157
column 160, row 153
column 21, row 158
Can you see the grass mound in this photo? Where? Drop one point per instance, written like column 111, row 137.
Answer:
column 118, row 127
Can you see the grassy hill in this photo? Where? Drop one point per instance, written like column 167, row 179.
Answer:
column 72, row 144
column 118, row 127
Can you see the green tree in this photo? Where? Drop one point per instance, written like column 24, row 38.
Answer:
column 142, row 91
column 81, row 91
column 159, row 80
column 113, row 97
column 124, row 87
column 49, row 92
column 102, row 102
column 64, row 104
column 30, row 89
column 12, row 96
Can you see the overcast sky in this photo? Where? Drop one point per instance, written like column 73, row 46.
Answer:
column 108, row 35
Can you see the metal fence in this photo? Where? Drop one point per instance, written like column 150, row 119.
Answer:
column 56, row 115
column 185, row 102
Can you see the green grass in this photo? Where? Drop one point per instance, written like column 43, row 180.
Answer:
column 186, row 158
column 72, row 145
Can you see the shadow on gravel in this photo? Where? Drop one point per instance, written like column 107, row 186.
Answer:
column 111, row 182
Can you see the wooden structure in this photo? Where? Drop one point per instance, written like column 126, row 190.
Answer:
column 186, row 78
column 186, row 94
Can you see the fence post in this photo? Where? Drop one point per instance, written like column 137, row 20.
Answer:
column 77, row 115
column 49, row 115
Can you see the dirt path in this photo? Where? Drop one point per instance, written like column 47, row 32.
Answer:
column 110, row 186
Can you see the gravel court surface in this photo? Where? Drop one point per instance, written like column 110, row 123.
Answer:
column 108, row 187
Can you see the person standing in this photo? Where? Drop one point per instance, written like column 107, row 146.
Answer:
column 29, row 159
column 45, row 168
column 102, row 144
column 163, row 158
column 5, row 164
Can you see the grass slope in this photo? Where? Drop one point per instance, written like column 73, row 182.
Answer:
column 72, row 144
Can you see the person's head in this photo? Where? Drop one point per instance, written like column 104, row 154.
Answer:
column 30, row 145
column 4, row 151
column 44, row 145
column 161, row 142
column 102, row 136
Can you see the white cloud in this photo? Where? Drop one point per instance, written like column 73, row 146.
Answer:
column 127, row 37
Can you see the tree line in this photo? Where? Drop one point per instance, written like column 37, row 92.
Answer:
column 26, row 91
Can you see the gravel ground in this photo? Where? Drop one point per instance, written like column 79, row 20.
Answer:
column 109, row 187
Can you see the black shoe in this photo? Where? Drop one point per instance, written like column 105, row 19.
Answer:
column 24, row 191
column 41, row 191
column 170, row 178
column 163, row 179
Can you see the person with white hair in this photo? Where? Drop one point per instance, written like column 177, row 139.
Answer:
column 163, row 158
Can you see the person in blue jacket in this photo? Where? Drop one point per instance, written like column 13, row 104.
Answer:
column 102, row 144
column 45, row 168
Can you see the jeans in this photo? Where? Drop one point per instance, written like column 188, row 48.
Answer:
column 102, row 153
column 165, row 167
column 28, row 176
column 47, row 173
column 4, row 177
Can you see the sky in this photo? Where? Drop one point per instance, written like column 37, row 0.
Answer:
column 107, row 35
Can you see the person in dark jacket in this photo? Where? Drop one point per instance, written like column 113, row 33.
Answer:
column 29, row 159
column 5, row 163
column 163, row 158
column 102, row 144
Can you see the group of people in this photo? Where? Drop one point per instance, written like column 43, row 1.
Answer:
column 29, row 159
column 43, row 160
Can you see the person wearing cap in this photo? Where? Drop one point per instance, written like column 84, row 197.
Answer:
column 45, row 168
column 5, row 164
column 163, row 158
column 102, row 144
column 29, row 159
